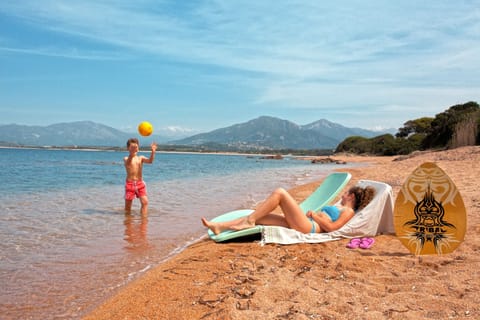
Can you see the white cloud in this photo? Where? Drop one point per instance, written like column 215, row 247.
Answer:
column 177, row 129
column 299, row 39
column 71, row 53
column 381, row 55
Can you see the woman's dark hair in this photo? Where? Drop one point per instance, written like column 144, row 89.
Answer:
column 362, row 196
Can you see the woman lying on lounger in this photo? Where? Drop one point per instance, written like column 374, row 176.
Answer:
column 329, row 219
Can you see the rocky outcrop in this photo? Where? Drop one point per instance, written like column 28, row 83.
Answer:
column 327, row 160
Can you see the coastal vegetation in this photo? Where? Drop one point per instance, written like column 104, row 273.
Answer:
column 457, row 126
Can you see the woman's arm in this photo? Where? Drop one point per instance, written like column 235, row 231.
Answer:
column 327, row 225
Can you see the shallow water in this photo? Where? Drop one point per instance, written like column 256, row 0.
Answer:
column 65, row 243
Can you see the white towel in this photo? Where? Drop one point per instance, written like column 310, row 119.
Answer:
column 376, row 218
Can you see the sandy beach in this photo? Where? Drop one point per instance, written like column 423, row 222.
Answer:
column 245, row 280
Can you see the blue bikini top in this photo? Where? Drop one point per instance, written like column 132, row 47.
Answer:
column 332, row 211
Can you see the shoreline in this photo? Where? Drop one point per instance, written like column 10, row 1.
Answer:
column 145, row 150
column 238, row 280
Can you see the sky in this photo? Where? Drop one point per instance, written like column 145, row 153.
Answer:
column 196, row 66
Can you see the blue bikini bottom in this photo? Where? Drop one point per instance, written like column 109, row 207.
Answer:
column 313, row 230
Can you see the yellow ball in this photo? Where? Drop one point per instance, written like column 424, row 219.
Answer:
column 145, row 128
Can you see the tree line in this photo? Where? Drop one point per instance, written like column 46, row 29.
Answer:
column 457, row 126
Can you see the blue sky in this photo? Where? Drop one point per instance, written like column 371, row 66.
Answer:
column 196, row 66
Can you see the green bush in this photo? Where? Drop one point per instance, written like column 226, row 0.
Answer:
column 354, row 144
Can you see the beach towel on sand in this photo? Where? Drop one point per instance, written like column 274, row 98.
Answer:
column 375, row 218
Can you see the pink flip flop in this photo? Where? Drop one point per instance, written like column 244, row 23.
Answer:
column 354, row 243
column 366, row 243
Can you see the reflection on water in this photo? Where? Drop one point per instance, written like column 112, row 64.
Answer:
column 136, row 231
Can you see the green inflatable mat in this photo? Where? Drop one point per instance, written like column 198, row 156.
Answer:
column 323, row 195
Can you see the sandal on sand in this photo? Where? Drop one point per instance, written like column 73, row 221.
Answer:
column 366, row 243
column 354, row 243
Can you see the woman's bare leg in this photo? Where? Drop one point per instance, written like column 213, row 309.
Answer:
column 218, row 227
column 293, row 215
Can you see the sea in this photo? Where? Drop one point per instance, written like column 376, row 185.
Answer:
column 66, row 244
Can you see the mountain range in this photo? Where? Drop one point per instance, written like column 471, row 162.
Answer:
column 262, row 133
column 273, row 133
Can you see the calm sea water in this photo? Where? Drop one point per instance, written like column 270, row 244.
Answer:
column 65, row 243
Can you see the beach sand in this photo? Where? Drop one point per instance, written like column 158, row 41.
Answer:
column 245, row 280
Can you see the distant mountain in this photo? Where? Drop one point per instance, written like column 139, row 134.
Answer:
column 263, row 133
column 81, row 133
column 274, row 133
column 339, row 132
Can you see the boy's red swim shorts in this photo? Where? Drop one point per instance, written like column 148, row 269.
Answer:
column 135, row 189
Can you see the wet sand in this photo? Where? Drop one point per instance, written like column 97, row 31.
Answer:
column 244, row 280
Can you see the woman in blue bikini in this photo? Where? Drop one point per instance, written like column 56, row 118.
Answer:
column 330, row 218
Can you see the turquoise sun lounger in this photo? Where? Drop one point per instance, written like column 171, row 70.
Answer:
column 323, row 195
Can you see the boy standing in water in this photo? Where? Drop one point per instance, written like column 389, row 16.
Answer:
column 134, row 185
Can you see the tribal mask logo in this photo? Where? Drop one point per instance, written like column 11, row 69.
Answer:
column 428, row 225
